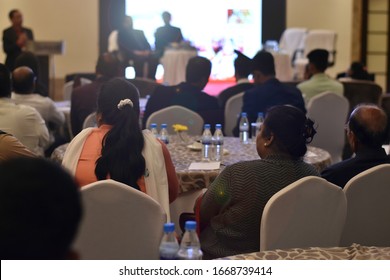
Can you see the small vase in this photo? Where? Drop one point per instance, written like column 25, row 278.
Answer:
column 184, row 137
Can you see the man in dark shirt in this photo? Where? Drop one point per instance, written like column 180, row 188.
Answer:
column 268, row 91
column 366, row 132
column 166, row 34
column 15, row 38
column 188, row 94
column 134, row 46
column 83, row 99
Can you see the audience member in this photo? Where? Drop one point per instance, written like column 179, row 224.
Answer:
column 10, row 147
column 15, row 38
column 23, row 81
column 231, row 209
column 319, row 82
column 119, row 150
column 83, row 98
column 357, row 71
column 166, row 35
column 188, row 94
column 268, row 91
column 242, row 69
column 134, row 46
column 24, row 122
column 366, row 133
column 31, row 61
column 40, row 210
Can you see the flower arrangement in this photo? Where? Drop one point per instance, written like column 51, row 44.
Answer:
column 180, row 127
column 181, row 132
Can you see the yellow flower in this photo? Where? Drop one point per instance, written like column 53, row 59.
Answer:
column 179, row 127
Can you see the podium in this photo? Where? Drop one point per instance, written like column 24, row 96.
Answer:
column 45, row 51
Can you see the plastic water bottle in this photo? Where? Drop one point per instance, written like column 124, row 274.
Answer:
column 169, row 245
column 244, row 128
column 153, row 129
column 206, row 143
column 190, row 245
column 218, row 143
column 164, row 137
column 259, row 122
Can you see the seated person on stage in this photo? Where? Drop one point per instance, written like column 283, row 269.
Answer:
column 319, row 82
column 40, row 210
column 10, row 147
column 357, row 71
column 83, row 98
column 15, row 38
column 231, row 209
column 134, row 46
column 188, row 94
column 366, row 133
column 31, row 61
column 23, row 122
column 268, row 91
column 119, row 150
column 242, row 69
column 166, row 34
column 23, row 81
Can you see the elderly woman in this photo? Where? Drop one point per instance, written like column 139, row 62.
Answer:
column 231, row 210
column 119, row 150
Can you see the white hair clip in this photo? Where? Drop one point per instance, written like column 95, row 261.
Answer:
column 124, row 102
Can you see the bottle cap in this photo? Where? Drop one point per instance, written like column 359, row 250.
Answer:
column 218, row 126
column 169, row 227
column 153, row 125
column 163, row 125
column 190, row 225
column 260, row 114
column 207, row 126
column 243, row 114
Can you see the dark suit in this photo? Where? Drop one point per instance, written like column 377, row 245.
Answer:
column 340, row 173
column 10, row 47
column 271, row 93
column 224, row 96
column 187, row 96
column 130, row 40
column 165, row 35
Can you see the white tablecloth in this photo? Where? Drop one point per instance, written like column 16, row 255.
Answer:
column 174, row 62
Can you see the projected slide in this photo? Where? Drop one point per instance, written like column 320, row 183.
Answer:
column 214, row 27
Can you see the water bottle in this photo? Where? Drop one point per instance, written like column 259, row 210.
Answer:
column 244, row 128
column 164, row 137
column 169, row 245
column 218, row 143
column 153, row 129
column 206, row 143
column 259, row 122
column 190, row 245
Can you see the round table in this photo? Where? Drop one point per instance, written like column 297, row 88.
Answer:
column 175, row 62
column 189, row 180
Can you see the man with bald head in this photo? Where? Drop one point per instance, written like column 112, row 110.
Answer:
column 366, row 132
column 23, row 81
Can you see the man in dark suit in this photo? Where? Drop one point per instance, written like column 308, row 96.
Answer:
column 15, row 38
column 366, row 132
column 242, row 69
column 166, row 34
column 268, row 91
column 188, row 94
column 134, row 46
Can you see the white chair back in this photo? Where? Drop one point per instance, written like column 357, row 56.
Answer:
column 232, row 112
column 292, row 40
column 177, row 115
column 321, row 39
column 368, row 215
column 68, row 87
column 329, row 112
column 113, row 41
column 184, row 203
column 90, row 121
column 309, row 212
column 119, row 222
